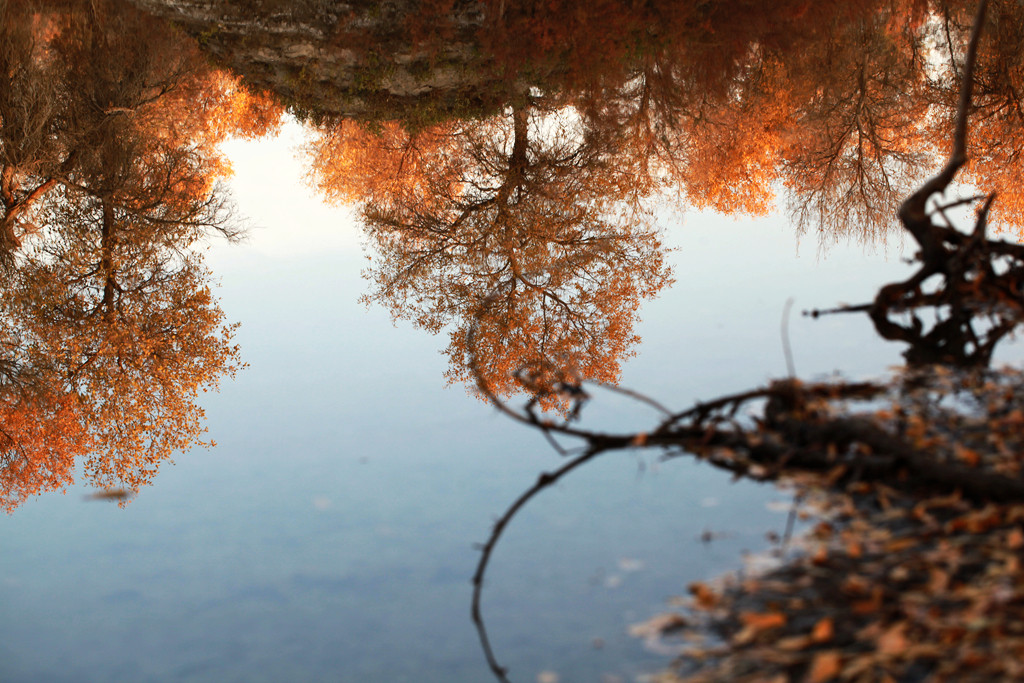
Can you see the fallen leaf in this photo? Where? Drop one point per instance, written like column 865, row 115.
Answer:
column 893, row 641
column 763, row 620
column 938, row 580
column 705, row 596
column 793, row 643
column 968, row 456
column 871, row 605
column 756, row 623
column 823, row 631
column 824, row 667
column 898, row 544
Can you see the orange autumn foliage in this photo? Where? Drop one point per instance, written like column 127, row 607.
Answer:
column 609, row 107
column 524, row 234
column 85, row 82
column 111, row 331
column 384, row 164
column 996, row 140
column 126, row 326
column 41, row 436
column 856, row 145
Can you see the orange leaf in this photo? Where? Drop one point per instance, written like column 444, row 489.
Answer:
column 967, row 455
column 893, row 641
column 824, row 667
column 898, row 544
column 793, row 643
column 823, row 630
column 763, row 620
column 938, row 580
column 871, row 605
column 705, row 596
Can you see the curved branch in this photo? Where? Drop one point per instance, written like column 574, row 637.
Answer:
column 545, row 480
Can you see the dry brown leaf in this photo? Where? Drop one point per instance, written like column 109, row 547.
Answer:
column 705, row 597
column 856, row 667
column 855, row 585
column 755, row 623
column 898, row 544
column 824, row 667
column 1015, row 538
column 744, row 636
column 871, row 605
column 763, row 620
column 794, row 643
column 968, row 456
column 823, row 630
column 894, row 640
column 938, row 580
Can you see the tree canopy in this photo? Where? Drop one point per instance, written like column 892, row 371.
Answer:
column 515, row 225
column 109, row 174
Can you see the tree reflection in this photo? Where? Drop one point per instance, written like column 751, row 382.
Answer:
column 533, row 227
column 108, row 175
column 128, row 325
column 997, row 136
column 520, row 223
column 536, row 223
column 855, row 144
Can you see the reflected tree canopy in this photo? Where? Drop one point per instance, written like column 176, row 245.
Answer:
column 535, row 221
column 724, row 103
column 507, row 159
column 519, row 225
column 109, row 173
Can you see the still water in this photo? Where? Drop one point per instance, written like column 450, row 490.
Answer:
column 533, row 173
column 329, row 535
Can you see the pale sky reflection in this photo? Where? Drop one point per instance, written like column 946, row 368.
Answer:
column 284, row 216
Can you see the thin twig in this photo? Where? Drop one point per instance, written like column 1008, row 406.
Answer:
column 786, row 349
column 636, row 396
column 817, row 312
column 960, row 202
